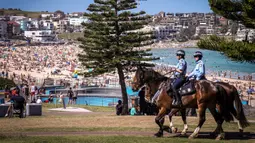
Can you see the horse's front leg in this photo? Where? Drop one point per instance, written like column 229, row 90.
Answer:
column 184, row 119
column 159, row 122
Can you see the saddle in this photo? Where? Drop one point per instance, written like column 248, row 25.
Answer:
column 188, row 88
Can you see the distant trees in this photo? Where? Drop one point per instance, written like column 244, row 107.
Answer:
column 1, row 12
column 236, row 50
column 60, row 14
column 224, row 29
column 236, row 10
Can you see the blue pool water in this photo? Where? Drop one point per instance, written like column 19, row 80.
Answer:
column 94, row 101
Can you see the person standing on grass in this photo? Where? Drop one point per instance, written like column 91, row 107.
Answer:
column 119, row 107
column 32, row 92
column 75, row 95
column 142, row 102
column 70, row 95
column 62, row 100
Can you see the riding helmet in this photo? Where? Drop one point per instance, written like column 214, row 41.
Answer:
column 180, row 53
column 198, row 54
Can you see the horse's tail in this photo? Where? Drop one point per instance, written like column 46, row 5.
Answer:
column 223, row 102
column 239, row 110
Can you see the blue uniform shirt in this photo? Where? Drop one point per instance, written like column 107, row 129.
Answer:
column 199, row 70
column 181, row 65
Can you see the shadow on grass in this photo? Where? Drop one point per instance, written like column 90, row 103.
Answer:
column 208, row 135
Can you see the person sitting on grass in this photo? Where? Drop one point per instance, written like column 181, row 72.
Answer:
column 50, row 99
column 133, row 111
column 17, row 102
column 39, row 101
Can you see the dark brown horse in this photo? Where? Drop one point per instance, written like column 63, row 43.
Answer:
column 206, row 97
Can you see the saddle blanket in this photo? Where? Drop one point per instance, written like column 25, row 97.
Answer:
column 188, row 88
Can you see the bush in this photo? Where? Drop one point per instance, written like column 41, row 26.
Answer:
column 4, row 82
column 236, row 50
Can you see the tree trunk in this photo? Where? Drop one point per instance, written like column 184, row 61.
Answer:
column 123, row 90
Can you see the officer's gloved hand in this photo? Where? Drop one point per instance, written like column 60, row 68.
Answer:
column 186, row 79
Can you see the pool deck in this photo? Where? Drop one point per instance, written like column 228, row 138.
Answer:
column 71, row 109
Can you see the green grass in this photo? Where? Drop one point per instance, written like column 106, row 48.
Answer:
column 24, row 13
column 47, row 106
column 72, row 36
column 109, row 139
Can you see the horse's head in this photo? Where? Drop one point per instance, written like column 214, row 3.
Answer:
column 138, row 79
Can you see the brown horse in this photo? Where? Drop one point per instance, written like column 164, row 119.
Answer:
column 200, row 100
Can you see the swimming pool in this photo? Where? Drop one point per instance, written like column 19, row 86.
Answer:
column 86, row 100
column 94, row 96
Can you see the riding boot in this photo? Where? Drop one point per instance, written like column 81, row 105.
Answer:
column 177, row 98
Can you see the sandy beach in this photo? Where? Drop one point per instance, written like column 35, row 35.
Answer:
column 172, row 44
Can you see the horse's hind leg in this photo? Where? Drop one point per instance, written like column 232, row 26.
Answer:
column 184, row 119
column 201, row 111
column 158, row 120
column 172, row 129
column 219, row 120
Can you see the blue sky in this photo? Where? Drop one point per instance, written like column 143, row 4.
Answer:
column 150, row 6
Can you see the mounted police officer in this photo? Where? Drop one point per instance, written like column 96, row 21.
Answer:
column 180, row 72
column 199, row 72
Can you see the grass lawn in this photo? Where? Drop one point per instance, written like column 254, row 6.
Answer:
column 81, row 127
column 109, row 139
column 24, row 13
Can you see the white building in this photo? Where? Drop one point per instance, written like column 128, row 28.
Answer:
column 16, row 18
column 40, row 35
column 45, row 15
column 3, row 29
column 241, row 34
column 46, row 25
column 77, row 21
column 163, row 32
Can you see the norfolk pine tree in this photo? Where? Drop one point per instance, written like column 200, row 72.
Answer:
column 111, row 40
column 240, row 11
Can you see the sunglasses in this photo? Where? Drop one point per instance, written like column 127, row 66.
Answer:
column 196, row 56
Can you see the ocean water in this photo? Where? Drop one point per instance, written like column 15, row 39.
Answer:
column 214, row 61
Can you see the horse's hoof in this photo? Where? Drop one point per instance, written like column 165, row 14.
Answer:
column 193, row 136
column 174, row 130
column 183, row 133
column 220, row 137
column 158, row 135
column 240, row 131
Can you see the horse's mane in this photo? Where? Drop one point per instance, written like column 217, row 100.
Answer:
column 156, row 76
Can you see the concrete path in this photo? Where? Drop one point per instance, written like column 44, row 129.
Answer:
column 71, row 109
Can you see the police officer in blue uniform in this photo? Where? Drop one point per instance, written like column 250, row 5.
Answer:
column 199, row 72
column 180, row 72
